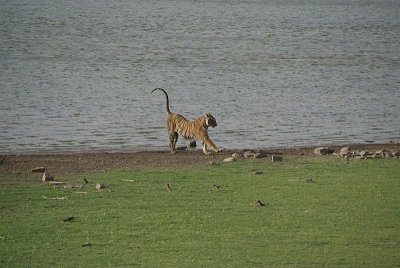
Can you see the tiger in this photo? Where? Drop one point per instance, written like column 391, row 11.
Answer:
column 179, row 125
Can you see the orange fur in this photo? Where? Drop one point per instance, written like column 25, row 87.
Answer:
column 178, row 125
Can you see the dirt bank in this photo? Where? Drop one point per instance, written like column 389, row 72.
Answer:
column 19, row 166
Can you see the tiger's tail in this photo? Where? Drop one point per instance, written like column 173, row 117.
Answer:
column 166, row 96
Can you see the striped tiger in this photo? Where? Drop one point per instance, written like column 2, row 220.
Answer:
column 179, row 125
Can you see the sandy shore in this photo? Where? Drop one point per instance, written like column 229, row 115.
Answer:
column 20, row 166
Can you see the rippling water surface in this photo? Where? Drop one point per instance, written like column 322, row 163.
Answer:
column 77, row 75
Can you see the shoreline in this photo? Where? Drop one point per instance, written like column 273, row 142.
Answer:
column 72, row 164
column 154, row 150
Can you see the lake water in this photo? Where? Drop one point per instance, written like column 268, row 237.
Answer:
column 77, row 75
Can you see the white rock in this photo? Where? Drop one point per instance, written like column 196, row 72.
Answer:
column 229, row 159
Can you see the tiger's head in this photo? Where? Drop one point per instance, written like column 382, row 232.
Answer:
column 210, row 120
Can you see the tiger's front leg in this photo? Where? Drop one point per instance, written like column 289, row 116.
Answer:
column 208, row 142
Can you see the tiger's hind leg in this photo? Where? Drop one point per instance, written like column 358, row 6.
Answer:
column 173, row 138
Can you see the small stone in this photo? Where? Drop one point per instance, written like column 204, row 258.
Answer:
column 38, row 169
column 364, row 153
column 229, row 159
column 100, row 186
column 235, row 155
column 212, row 164
column 87, row 244
column 69, row 219
column 259, row 203
column 47, row 177
column 276, row 158
column 323, row 151
column 248, row 154
column 257, row 173
column 345, row 151
column 309, row 180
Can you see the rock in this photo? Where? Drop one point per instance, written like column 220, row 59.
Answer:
column 323, row 151
column 212, row 164
column 47, row 177
column 395, row 153
column 345, row 151
column 236, row 155
column 309, row 180
column 38, row 169
column 69, row 219
column 259, row 203
column 217, row 186
column 276, row 158
column 192, row 144
column 87, row 244
column 229, row 159
column 100, row 186
column 364, row 153
column 257, row 173
column 248, row 154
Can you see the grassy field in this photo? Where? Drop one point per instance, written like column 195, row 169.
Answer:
column 349, row 215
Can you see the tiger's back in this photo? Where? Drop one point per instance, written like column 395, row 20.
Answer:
column 185, row 128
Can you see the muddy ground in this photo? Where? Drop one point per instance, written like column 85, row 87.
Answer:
column 65, row 165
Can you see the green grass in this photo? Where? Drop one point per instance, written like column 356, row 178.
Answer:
column 348, row 216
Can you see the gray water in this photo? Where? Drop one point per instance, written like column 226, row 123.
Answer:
column 77, row 75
